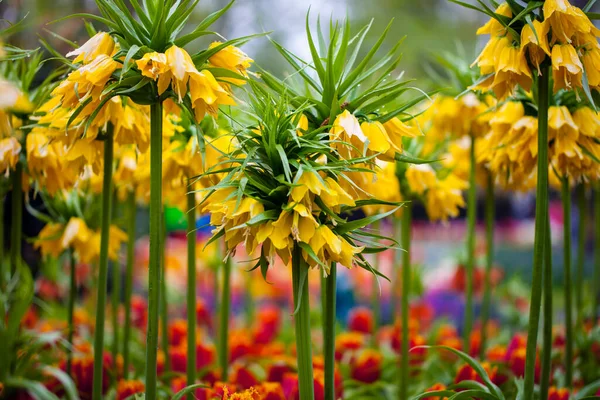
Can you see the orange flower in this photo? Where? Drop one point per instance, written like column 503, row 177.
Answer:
column 129, row 388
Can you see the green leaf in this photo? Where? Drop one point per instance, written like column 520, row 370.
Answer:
column 65, row 380
column 473, row 394
column 36, row 389
column 313, row 51
column 586, row 89
column 352, row 76
column 303, row 278
column 588, row 6
column 530, row 7
column 188, row 389
column 361, row 223
column 127, row 62
column 438, row 393
column 479, row 370
column 588, row 390
column 407, row 158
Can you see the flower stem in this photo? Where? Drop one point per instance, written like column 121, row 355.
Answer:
column 596, row 279
column 581, row 205
column 224, row 320
column 154, row 263
column 17, row 217
column 470, row 267
column 489, row 261
column 103, row 264
column 191, row 290
column 302, row 325
column 71, row 309
column 375, row 294
column 547, row 332
column 566, row 200
column 164, row 304
column 541, row 216
column 329, row 333
column 2, row 272
column 115, row 295
column 131, row 214
column 406, row 285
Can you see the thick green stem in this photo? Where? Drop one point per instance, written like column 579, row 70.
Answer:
column 596, row 279
column 470, row 267
column 329, row 333
column 302, row 325
column 115, row 300
column 103, row 264
column 376, row 294
column 547, row 329
column 406, row 286
column 566, row 200
column 541, row 216
column 164, row 304
column 155, row 232
column 581, row 205
column 224, row 310
column 71, row 309
column 191, row 290
column 17, row 217
column 2, row 272
column 489, row 261
column 131, row 214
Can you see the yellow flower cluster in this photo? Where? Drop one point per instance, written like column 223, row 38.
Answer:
column 75, row 235
column 175, row 67
column 566, row 36
column 354, row 140
column 510, row 149
column 296, row 222
column 441, row 193
column 12, row 100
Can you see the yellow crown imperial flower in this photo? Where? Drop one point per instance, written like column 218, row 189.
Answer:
column 566, row 20
column 535, row 42
column 231, row 58
column 10, row 148
column 154, row 65
column 13, row 98
column 100, row 44
column 87, row 81
column 567, row 69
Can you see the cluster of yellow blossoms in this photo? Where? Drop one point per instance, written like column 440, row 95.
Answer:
column 304, row 213
column 75, row 235
column 12, row 101
column 565, row 35
column 510, row 149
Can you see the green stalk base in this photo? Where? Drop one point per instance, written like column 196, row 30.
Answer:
column 103, row 265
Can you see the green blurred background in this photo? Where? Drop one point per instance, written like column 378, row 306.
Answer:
column 430, row 25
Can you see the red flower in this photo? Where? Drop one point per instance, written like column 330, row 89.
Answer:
column 277, row 370
column 139, row 312
column 244, row 378
column 203, row 316
column 177, row 332
column 269, row 321
column 367, row 366
column 240, row 345
column 82, row 372
column 348, row 342
column 360, row 319
column 129, row 388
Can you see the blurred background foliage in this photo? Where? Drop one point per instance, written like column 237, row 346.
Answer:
column 430, row 25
